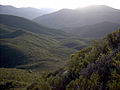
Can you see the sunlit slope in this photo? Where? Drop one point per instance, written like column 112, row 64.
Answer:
column 29, row 45
column 93, row 68
column 98, row 30
column 80, row 17
column 22, row 23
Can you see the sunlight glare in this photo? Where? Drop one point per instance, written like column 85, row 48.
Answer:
column 59, row 4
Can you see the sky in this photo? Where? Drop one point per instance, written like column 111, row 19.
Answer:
column 59, row 4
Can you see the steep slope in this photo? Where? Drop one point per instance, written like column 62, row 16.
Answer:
column 93, row 68
column 24, row 49
column 94, row 31
column 22, row 23
column 80, row 17
column 29, row 12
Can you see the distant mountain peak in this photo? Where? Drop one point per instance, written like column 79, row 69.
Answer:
column 97, row 8
column 27, row 12
column 80, row 17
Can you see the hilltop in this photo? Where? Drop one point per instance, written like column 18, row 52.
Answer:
column 26, row 12
column 80, row 17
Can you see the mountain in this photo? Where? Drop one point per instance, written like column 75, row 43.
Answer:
column 97, row 30
column 28, row 45
column 80, row 17
column 96, row 67
column 22, row 23
column 24, row 49
column 27, row 12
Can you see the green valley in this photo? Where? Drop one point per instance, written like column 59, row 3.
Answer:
column 69, row 49
column 94, row 67
column 33, row 46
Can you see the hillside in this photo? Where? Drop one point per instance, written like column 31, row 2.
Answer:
column 28, row 45
column 96, row 67
column 32, row 51
column 80, row 17
column 29, row 25
column 98, row 30
column 17, row 79
column 28, row 12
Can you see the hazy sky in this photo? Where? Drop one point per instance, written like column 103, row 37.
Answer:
column 59, row 4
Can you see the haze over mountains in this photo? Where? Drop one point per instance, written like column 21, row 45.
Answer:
column 97, row 30
column 51, row 45
column 26, row 12
column 75, row 21
column 80, row 17
column 43, row 48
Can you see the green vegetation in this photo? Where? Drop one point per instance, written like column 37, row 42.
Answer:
column 29, row 25
column 75, row 42
column 16, row 78
column 31, row 51
column 93, row 68
column 29, row 45
column 96, row 67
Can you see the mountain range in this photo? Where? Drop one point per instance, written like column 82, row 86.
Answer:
column 29, row 45
column 80, row 17
column 85, row 22
column 26, row 12
column 63, row 50
column 39, row 46
column 89, row 22
column 26, row 24
column 98, row 30
column 96, row 67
